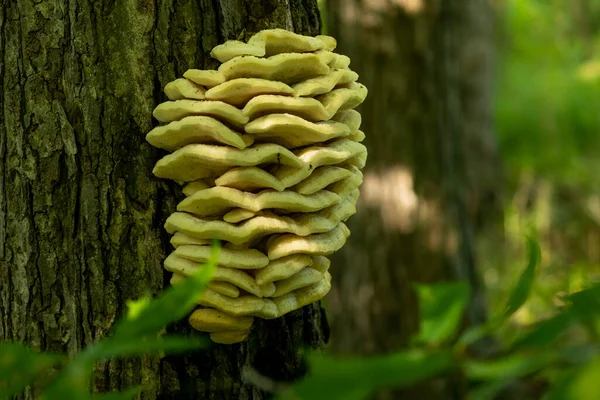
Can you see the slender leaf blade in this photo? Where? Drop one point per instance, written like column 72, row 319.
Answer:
column 127, row 347
column 441, row 308
column 577, row 384
column 147, row 317
column 20, row 367
column 521, row 291
column 333, row 378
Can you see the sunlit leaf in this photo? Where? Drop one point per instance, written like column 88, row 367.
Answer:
column 441, row 307
column 577, row 384
column 546, row 332
column 586, row 305
column 489, row 390
column 171, row 305
column 128, row 347
column 20, row 367
column 332, row 378
column 512, row 366
column 136, row 307
column 73, row 383
column 521, row 292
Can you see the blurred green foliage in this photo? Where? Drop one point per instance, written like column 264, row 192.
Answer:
column 569, row 369
column 136, row 334
column 547, row 114
column 547, row 120
column 566, row 368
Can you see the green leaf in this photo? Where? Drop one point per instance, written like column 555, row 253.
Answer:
column 546, row 332
column 488, row 390
column 522, row 290
column 20, row 367
column 73, row 383
column 128, row 394
column 147, row 317
column 126, row 347
column 586, row 306
column 441, row 307
column 512, row 366
column 332, row 378
column 577, row 384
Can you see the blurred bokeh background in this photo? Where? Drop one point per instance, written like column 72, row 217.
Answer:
column 483, row 126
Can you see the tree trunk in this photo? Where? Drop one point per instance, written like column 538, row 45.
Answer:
column 81, row 216
column 432, row 174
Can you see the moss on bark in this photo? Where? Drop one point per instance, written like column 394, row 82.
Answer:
column 80, row 213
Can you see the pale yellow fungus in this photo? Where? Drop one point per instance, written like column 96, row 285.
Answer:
column 242, row 259
column 325, row 83
column 320, row 263
column 351, row 118
column 229, row 337
column 305, row 107
column 176, row 110
column 276, row 41
column 248, row 179
column 302, row 297
column 206, row 78
column 195, row 186
column 329, row 41
column 224, row 288
column 211, row 320
column 303, row 278
column 239, row 91
column 260, row 226
column 241, row 279
column 357, row 136
column 184, row 89
column 289, row 68
column 270, row 42
column 267, row 289
column 292, row 131
column 219, row 199
column 318, row 244
column 238, row 307
column 321, row 178
column 196, row 129
column 238, row 215
column 234, row 48
column 180, row 239
column 268, row 150
column 197, row 161
column 343, row 98
column 282, row 268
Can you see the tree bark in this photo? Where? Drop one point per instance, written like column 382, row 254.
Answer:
column 81, row 216
column 432, row 177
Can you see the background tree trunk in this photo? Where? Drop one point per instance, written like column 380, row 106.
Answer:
column 433, row 174
column 81, row 216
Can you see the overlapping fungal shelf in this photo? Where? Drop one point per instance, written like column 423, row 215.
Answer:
column 268, row 148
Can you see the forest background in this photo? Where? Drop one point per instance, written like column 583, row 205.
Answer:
column 538, row 178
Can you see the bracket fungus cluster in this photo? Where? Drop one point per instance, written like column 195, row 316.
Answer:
column 269, row 150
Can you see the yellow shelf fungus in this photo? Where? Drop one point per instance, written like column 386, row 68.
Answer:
column 196, row 129
column 206, row 78
column 268, row 149
column 239, row 91
column 175, row 110
column 326, row 83
column 218, row 200
column 184, row 89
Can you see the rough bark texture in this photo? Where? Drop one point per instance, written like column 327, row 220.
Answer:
column 81, row 216
column 432, row 173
